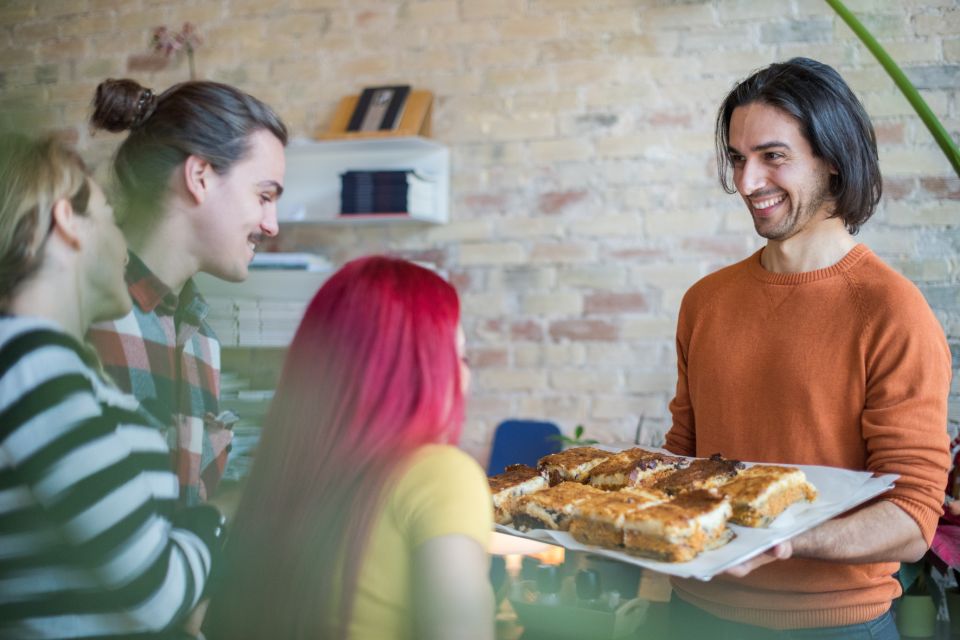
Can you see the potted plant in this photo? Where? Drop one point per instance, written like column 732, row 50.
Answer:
column 577, row 440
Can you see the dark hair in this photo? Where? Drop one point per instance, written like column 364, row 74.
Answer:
column 210, row 120
column 832, row 120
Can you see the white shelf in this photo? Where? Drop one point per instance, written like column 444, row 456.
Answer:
column 263, row 311
column 312, row 182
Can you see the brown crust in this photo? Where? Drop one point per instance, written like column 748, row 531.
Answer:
column 703, row 473
column 551, row 508
column 745, row 491
column 599, row 519
column 561, row 497
column 573, row 464
column 627, row 466
column 514, row 475
column 678, row 517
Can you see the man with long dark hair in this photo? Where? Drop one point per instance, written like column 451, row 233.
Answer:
column 811, row 351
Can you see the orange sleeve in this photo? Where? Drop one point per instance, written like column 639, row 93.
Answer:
column 681, row 438
column 905, row 416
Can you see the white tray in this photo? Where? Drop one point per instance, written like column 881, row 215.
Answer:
column 839, row 491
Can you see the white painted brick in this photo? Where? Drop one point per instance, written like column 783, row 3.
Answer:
column 627, row 407
column 548, row 151
column 605, row 22
column 485, row 305
column 680, row 223
column 533, row 355
column 565, row 410
column 619, row 225
column 522, row 278
column 593, row 276
column 552, row 304
column 490, row 9
column 461, row 230
column 651, row 382
column 614, row 355
column 737, row 10
column 928, row 214
column 545, row 27
column 492, row 253
column 589, row 379
column 913, row 162
column 684, row 16
column 665, row 276
column 644, row 328
column 512, row 379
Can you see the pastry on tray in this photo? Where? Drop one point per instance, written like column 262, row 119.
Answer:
column 762, row 492
column 633, row 467
column 702, row 473
column 599, row 520
column 551, row 508
column 516, row 481
column 678, row 530
column 571, row 465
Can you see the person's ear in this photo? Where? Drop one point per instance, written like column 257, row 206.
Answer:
column 66, row 223
column 196, row 175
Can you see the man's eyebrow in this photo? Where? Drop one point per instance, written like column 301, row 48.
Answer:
column 272, row 183
column 770, row 145
column 773, row 144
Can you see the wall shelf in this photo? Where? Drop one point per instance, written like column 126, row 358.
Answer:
column 312, row 182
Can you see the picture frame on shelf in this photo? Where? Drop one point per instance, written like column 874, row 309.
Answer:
column 379, row 108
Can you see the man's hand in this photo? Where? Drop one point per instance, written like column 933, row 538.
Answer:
column 881, row 532
column 781, row 551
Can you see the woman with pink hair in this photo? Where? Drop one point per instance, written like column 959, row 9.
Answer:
column 359, row 519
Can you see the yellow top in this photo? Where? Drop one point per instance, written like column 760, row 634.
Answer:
column 441, row 491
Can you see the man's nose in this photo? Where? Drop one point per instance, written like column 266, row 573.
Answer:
column 269, row 225
column 751, row 178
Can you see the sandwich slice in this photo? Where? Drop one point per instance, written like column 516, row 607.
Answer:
column 551, row 508
column 678, row 530
column 632, row 467
column 516, row 481
column 573, row 465
column 599, row 520
column 702, row 473
column 761, row 493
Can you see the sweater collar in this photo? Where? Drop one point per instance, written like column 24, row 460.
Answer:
column 845, row 264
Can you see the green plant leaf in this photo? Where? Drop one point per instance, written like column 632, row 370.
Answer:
column 910, row 92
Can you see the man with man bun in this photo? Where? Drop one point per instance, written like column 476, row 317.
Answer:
column 198, row 179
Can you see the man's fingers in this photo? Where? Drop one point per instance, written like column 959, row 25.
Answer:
column 781, row 551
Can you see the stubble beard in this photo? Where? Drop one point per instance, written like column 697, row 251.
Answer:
column 797, row 217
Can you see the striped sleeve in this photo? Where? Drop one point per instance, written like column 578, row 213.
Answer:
column 86, row 493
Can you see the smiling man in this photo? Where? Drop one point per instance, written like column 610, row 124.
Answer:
column 811, row 351
column 198, row 179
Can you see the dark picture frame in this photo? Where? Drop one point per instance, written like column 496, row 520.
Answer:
column 379, row 108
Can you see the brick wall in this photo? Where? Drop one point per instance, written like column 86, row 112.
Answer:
column 584, row 197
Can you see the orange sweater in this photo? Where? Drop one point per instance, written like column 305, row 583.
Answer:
column 846, row 367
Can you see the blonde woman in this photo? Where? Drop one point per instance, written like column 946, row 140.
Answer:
column 87, row 545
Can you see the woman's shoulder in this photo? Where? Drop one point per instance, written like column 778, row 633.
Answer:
column 443, row 490
column 443, row 463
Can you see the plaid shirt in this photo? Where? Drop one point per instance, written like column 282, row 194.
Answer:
column 167, row 356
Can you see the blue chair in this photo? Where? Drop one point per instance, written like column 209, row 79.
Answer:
column 521, row 442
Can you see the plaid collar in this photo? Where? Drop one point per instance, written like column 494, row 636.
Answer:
column 152, row 295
